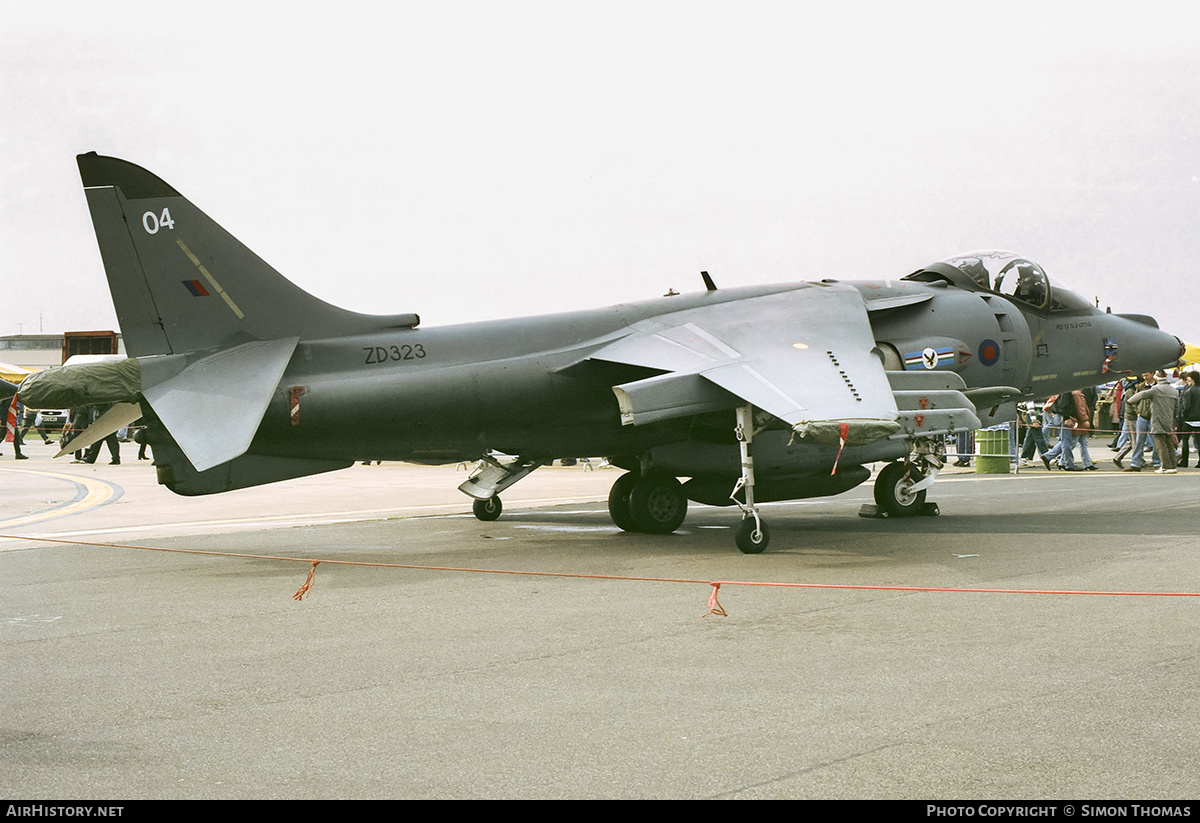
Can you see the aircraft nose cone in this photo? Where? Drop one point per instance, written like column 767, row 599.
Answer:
column 1149, row 348
column 1169, row 348
column 1182, row 349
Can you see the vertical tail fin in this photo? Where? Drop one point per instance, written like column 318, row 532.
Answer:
column 181, row 283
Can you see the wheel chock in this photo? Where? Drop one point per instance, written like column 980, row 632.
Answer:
column 873, row 512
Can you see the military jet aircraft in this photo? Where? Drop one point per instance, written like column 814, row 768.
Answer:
column 751, row 394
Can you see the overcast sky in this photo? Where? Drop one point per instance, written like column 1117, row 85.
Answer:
column 476, row 160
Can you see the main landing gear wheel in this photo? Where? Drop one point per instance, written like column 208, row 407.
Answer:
column 487, row 510
column 657, row 503
column 752, row 536
column 893, row 490
column 653, row 504
column 618, row 502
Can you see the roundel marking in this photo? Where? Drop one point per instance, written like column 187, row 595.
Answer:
column 989, row 352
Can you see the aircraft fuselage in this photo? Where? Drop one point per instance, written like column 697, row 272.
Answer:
column 525, row 386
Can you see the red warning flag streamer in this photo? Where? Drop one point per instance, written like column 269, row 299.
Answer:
column 843, row 436
column 302, row 592
column 10, row 421
column 714, row 605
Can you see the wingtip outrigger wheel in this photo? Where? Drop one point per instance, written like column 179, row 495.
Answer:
column 489, row 479
column 487, row 510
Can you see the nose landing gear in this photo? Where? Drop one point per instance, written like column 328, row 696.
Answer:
column 894, row 489
column 900, row 487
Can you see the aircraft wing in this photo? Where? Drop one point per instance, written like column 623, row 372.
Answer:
column 804, row 356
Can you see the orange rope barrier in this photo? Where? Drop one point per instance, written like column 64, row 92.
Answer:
column 714, row 607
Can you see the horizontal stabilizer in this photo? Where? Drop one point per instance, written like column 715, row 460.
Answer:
column 113, row 420
column 212, row 406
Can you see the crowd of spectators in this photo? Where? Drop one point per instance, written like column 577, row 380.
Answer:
column 1148, row 419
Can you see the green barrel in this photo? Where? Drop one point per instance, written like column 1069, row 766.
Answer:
column 991, row 451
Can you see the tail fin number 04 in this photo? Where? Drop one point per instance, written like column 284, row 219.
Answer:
column 152, row 223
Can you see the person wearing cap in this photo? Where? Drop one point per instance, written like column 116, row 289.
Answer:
column 1163, row 402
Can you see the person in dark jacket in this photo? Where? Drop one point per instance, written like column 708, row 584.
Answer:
column 1188, row 424
column 114, row 445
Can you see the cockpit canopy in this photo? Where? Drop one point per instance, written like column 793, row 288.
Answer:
column 1006, row 273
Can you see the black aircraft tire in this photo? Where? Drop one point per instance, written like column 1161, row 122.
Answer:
column 752, row 540
column 891, row 492
column 618, row 502
column 487, row 510
column 657, row 504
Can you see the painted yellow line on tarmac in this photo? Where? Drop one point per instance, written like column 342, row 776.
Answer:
column 96, row 493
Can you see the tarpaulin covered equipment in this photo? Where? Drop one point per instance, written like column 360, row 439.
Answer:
column 63, row 387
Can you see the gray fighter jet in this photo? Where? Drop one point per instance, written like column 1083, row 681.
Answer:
column 750, row 394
